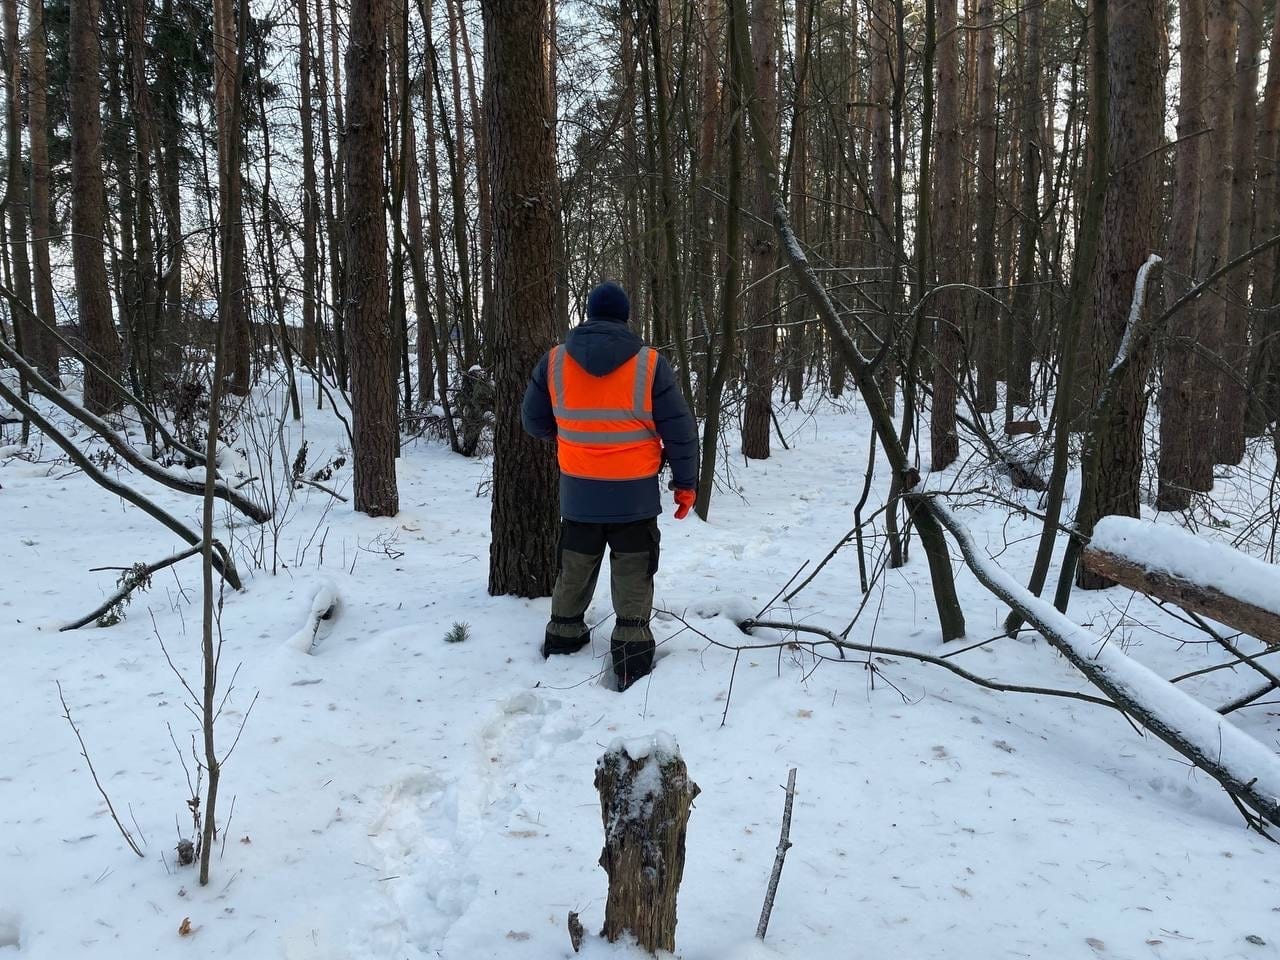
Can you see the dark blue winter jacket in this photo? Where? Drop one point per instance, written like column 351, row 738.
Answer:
column 601, row 346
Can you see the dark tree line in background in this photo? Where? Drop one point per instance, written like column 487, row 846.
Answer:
column 395, row 207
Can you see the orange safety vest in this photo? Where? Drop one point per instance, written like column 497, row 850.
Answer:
column 604, row 425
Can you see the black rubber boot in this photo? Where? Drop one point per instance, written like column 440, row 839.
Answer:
column 554, row 643
column 632, row 660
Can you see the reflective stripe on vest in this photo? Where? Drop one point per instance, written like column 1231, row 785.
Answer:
column 615, row 437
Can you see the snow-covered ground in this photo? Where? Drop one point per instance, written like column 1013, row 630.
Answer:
column 397, row 796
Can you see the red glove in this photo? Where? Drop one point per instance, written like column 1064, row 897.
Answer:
column 684, row 502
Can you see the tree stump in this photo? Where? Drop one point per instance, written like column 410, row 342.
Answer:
column 646, row 797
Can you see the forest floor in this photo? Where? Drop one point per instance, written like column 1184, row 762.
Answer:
column 396, row 796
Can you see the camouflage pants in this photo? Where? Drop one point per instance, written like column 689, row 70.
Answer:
column 633, row 560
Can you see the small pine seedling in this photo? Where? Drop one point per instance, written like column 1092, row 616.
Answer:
column 458, row 633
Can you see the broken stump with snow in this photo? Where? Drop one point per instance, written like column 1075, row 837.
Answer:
column 646, row 797
column 1200, row 575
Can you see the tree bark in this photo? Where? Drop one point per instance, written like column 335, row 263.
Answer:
column 45, row 348
column 645, row 804
column 1213, row 245
column 759, row 319
column 310, row 199
column 88, row 210
column 1129, row 230
column 1232, row 376
column 949, row 343
column 1234, row 612
column 1264, row 360
column 986, row 319
column 521, row 143
column 1178, row 441
column 226, row 95
column 16, row 189
column 1020, row 325
column 374, row 410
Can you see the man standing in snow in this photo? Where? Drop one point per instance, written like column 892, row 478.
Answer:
column 616, row 413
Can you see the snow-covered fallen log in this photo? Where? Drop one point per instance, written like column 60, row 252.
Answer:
column 1246, row 769
column 1197, row 574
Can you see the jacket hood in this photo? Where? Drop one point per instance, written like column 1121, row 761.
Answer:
column 602, row 346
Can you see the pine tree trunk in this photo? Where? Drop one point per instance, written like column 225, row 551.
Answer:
column 45, row 349
column 333, row 190
column 310, row 200
column 883, row 230
column 1178, row 417
column 226, row 96
column 1020, row 327
column 16, row 191
column 88, row 211
column 986, row 319
column 1213, row 246
column 760, row 334
column 521, row 143
column 949, row 345
column 150, row 314
column 374, row 410
column 798, row 190
column 418, row 265
column 1264, row 361
column 1232, row 376
column 171, row 241
column 1129, row 231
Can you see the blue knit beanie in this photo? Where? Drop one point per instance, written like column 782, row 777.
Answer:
column 608, row 301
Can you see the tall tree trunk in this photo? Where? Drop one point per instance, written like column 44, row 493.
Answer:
column 1178, row 416
column 521, row 169
column 45, row 348
column 374, row 410
column 149, row 331
column 1264, row 361
column 1213, row 247
column 27, row 331
column 1020, row 326
column 333, row 190
column 1129, row 230
column 719, row 363
column 986, row 318
column 88, row 211
column 416, row 242
column 172, row 241
column 226, row 96
column 310, row 200
column 884, row 225
column 944, row 440
column 1232, row 375
column 798, row 190
column 760, row 335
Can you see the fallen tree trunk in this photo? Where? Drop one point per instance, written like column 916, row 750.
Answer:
column 1247, row 770
column 221, row 561
column 1200, row 575
column 144, row 465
